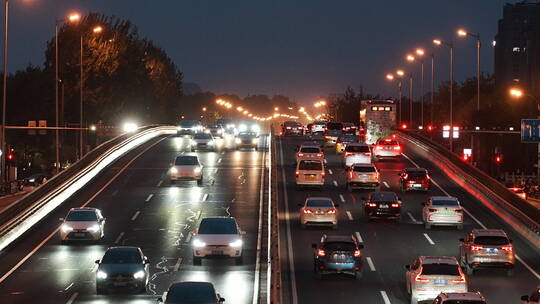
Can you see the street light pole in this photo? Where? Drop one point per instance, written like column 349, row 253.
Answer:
column 57, row 136
column 422, row 92
column 3, row 174
column 478, row 46
column 81, row 142
column 410, row 100
column 432, row 88
column 451, row 97
column 400, row 85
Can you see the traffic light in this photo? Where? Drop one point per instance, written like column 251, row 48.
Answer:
column 404, row 126
column 498, row 159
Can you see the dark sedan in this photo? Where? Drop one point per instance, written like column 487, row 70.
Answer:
column 338, row 254
column 122, row 267
column 191, row 293
column 383, row 204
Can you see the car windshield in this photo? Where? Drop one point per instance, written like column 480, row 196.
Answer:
column 310, row 150
column 291, row 124
column 491, row 240
column 339, row 246
column 364, row 169
column 202, row 136
column 360, row 149
column 82, row 216
column 186, row 161
column 388, row 142
column 310, row 165
column 319, row 203
column 218, row 226
column 334, row 126
column 189, row 123
column 383, row 197
column 348, row 138
column 333, row 132
column 121, row 256
column 445, row 202
column 191, row 293
column 440, row 269
column 416, row 174
column 464, row 302
column 247, row 134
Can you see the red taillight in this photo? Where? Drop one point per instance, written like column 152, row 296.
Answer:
column 331, row 211
column 476, row 247
column 397, row 148
column 348, row 153
column 307, row 211
column 321, row 252
column 367, row 153
column 297, row 173
column 378, row 147
column 432, row 210
column 460, row 280
column 327, row 137
column 458, row 211
column 288, row 128
column 372, row 204
column 508, row 248
column 418, row 278
column 357, row 253
column 395, row 205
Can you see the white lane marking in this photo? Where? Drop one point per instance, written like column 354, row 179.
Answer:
column 219, row 160
column 31, row 253
column 349, row 215
column 159, row 183
column 294, row 292
column 386, row 185
column 342, row 198
column 330, row 171
column 385, row 297
column 359, row 237
column 256, row 282
column 188, row 238
column 72, row 298
column 412, row 217
column 335, row 183
column 215, row 170
column 69, row 286
column 119, row 237
column 205, row 197
column 134, row 217
column 528, row 267
column 149, row 197
column 370, row 263
column 429, row 239
column 177, row 265
column 325, row 161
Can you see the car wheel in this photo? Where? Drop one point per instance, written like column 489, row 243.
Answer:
column 200, row 182
column 358, row 274
column 509, row 272
column 239, row 260
column 427, row 226
column 197, row 261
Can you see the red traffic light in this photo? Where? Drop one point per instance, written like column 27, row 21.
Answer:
column 404, row 126
column 10, row 156
column 498, row 158
column 430, row 128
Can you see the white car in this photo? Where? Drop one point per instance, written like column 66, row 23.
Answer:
column 442, row 211
column 309, row 152
column 386, row 148
column 203, row 141
column 310, row 173
column 318, row 211
column 428, row 276
column 217, row 236
column 363, row 176
column 356, row 153
column 82, row 224
column 318, row 127
column 186, row 167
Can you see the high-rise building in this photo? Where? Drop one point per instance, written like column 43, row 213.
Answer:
column 517, row 47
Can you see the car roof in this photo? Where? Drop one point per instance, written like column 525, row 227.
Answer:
column 83, row 209
column 464, row 296
column 357, row 144
column 338, row 238
column 318, row 198
column 124, row 248
column 383, row 195
column 489, row 232
column 438, row 260
column 219, row 219
column 363, row 165
column 192, row 286
column 443, row 198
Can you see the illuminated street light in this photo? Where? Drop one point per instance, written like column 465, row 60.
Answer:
column 400, row 72
column 74, row 17
column 204, row 109
column 301, row 109
column 97, row 29
column 437, row 41
column 420, row 52
column 516, row 92
column 389, row 76
column 239, row 109
column 410, row 57
column 276, row 109
column 462, row 32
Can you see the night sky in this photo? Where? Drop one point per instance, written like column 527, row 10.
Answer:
column 304, row 49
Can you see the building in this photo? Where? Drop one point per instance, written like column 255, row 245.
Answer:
column 517, row 47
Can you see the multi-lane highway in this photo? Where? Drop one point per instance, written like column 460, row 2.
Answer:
column 388, row 246
column 143, row 209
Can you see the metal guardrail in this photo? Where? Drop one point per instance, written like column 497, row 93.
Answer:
column 24, row 208
column 528, row 215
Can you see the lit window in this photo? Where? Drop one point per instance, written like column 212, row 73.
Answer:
column 374, row 108
column 387, row 109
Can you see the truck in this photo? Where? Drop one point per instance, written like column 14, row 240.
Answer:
column 378, row 118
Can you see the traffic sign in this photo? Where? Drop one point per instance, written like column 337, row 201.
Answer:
column 530, row 130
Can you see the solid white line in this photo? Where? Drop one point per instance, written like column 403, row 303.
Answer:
column 69, row 286
column 72, row 298
column 294, row 292
column 256, row 282
column 135, row 215
column 335, row 183
column 385, row 297
column 342, row 198
column 119, row 237
column 149, row 197
column 205, row 197
column 330, row 171
column 325, row 161
column 177, row 265
column 429, row 239
column 23, row 260
column 359, row 237
column 370, row 263
column 412, row 217
column 386, row 185
column 159, row 183
column 349, row 215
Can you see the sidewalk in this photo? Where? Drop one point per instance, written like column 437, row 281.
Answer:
column 8, row 199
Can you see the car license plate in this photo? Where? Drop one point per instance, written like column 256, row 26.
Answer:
column 417, row 185
column 440, row 282
column 364, row 176
column 217, row 252
column 446, row 212
column 492, row 250
column 79, row 234
column 311, row 176
column 383, row 206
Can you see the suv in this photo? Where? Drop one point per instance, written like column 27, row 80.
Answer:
column 534, row 298
column 386, row 148
column 318, row 127
column 203, row 141
column 247, row 139
column 122, row 267
column 186, row 167
column 460, row 298
column 310, row 151
column 414, row 179
column 487, row 248
column 428, row 276
column 191, row 292
column 356, row 153
column 363, row 176
column 383, row 204
column 189, row 127
column 216, row 130
column 310, row 173
column 318, row 211
column 217, row 236
column 349, row 128
column 338, row 254
column 442, row 211
column 82, row 224
column 292, row 128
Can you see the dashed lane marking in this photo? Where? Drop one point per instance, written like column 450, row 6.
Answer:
column 349, row 215
column 149, row 197
column 205, row 197
column 342, row 198
column 359, row 237
column 119, row 238
column 71, row 299
column 386, row 185
column 335, row 183
column 412, row 217
column 159, row 183
column 385, row 297
column 177, row 265
column 330, row 171
column 429, row 239
column 370, row 263
column 134, row 217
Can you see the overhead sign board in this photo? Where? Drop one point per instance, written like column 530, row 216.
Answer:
column 530, row 130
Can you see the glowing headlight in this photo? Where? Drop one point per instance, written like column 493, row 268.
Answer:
column 66, row 228
column 238, row 141
column 31, row 180
column 207, row 131
column 101, row 275
column 94, row 228
column 130, row 127
column 198, row 243
column 193, row 143
column 219, row 131
column 197, row 170
column 236, row 244
column 230, row 126
column 242, row 128
column 255, row 128
column 178, row 128
column 139, row 274
column 174, row 170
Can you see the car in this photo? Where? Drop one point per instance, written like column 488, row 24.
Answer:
column 216, row 130
column 217, row 237
column 318, row 211
column 411, row 179
column 519, row 191
column 386, row 148
column 427, row 276
column 203, row 141
column 247, row 139
column 344, row 140
column 309, row 151
column 382, row 204
column 186, row 167
column 191, row 293
column 362, row 176
column 189, row 127
column 460, row 298
column 534, row 298
column 338, row 254
column 36, row 179
column 228, row 125
column 310, row 173
column 292, row 128
column 82, row 224
column 487, row 248
column 318, row 127
column 356, row 153
column 122, row 267
column 442, row 211
column 349, row 128
column 331, row 136
column 249, row 126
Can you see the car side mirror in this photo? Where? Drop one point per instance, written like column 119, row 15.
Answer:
column 462, row 240
column 361, row 246
column 96, row 261
column 525, row 298
column 314, row 246
column 61, row 219
column 408, row 267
